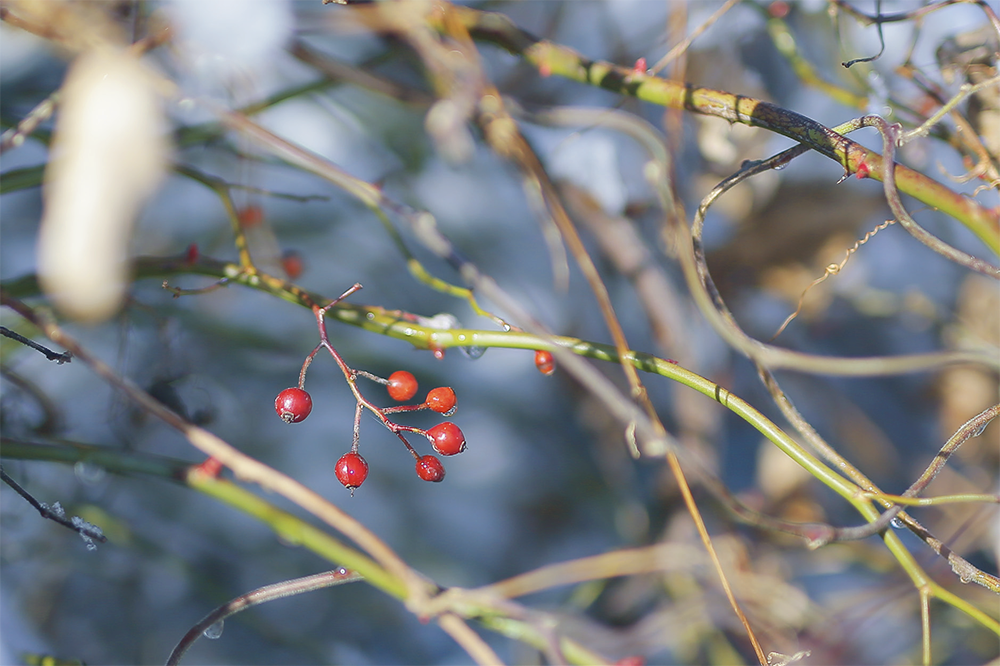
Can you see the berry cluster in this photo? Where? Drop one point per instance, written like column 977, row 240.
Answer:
column 294, row 404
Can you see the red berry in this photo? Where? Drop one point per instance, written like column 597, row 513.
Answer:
column 293, row 264
column 544, row 362
column 429, row 468
column 446, row 438
column 402, row 385
column 352, row 470
column 251, row 216
column 778, row 9
column 442, row 400
column 293, row 405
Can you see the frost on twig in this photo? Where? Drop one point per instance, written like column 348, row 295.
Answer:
column 88, row 532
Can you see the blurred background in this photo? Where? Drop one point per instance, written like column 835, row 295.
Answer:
column 547, row 476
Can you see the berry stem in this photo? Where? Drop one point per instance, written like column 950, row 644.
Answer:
column 355, row 287
column 374, row 378
column 351, row 376
column 306, row 364
column 403, row 408
column 357, row 428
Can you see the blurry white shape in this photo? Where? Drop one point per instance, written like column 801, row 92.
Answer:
column 108, row 154
column 442, row 321
column 227, row 43
column 89, row 472
column 590, row 161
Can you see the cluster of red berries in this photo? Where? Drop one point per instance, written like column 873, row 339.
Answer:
column 294, row 404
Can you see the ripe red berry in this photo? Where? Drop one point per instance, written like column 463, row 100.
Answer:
column 442, row 400
column 293, row 405
column 251, row 216
column 446, row 438
column 429, row 468
column 292, row 262
column 402, row 385
column 352, row 470
column 544, row 362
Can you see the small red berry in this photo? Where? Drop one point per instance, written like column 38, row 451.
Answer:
column 544, row 362
column 446, row 438
column 429, row 468
column 352, row 470
column 251, row 216
column 293, row 405
column 441, row 400
column 293, row 264
column 402, row 385
column 862, row 171
column 778, row 9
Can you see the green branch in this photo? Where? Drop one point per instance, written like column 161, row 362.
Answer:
column 551, row 58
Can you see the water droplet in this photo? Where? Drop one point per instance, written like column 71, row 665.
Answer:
column 370, row 315
column 473, row 352
column 213, row 631
column 451, row 411
column 779, row 167
column 342, row 571
column 979, row 431
column 408, row 331
column 897, row 523
column 89, row 472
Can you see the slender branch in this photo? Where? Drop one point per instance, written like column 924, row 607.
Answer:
column 256, row 597
column 56, row 513
column 890, row 138
column 64, row 357
column 555, row 59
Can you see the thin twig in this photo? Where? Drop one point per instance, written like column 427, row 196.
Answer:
column 256, row 597
column 55, row 513
column 64, row 357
